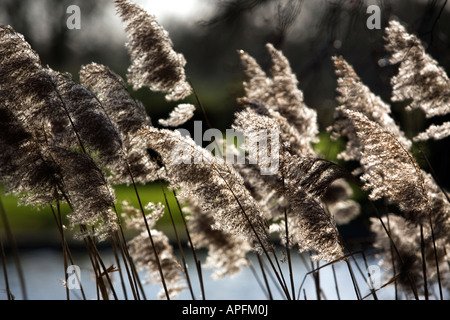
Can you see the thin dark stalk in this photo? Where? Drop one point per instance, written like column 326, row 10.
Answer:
column 119, row 268
column 63, row 248
column 126, row 254
column 123, row 249
column 392, row 280
column 5, row 271
column 413, row 286
column 14, row 249
column 180, row 247
column 436, row 259
column 288, row 249
column 264, row 287
column 311, row 272
column 316, row 278
column 369, row 277
column 392, row 260
column 266, row 253
column 158, row 262
column 270, row 275
column 424, row 264
column 99, row 261
column 335, row 282
column 197, row 261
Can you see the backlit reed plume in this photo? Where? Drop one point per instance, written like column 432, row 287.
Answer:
column 26, row 169
column 86, row 117
column 280, row 92
column 91, row 197
column 181, row 114
column 389, row 170
column 56, row 116
column 216, row 185
column 226, row 254
column 279, row 98
column 302, row 180
column 413, row 249
column 419, row 79
column 144, row 254
column 354, row 95
column 154, row 63
column 129, row 115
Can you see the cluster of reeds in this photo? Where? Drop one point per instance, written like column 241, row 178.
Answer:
column 68, row 142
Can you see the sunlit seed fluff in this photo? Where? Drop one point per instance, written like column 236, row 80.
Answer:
column 301, row 183
column 407, row 259
column 354, row 95
column 280, row 92
column 144, row 254
column 128, row 115
column 226, row 253
column 180, row 115
column 419, row 77
column 215, row 183
column 310, row 226
column 88, row 120
column 91, row 197
column 154, row 63
column 435, row 132
column 26, row 169
column 144, row 257
column 389, row 169
column 26, row 88
column 133, row 216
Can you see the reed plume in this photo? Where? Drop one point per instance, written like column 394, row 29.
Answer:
column 419, row 79
column 354, row 95
column 389, row 170
column 301, row 180
column 280, row 93
column 181, row 114
column 412, row 251
column 59, row 120
column 154, row 63
column 129, row 116
column 226, row 254
column 143, row 252
column 215, row 183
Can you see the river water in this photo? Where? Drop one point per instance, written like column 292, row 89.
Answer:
column 43, row 273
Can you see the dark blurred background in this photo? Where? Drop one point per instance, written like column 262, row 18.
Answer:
column 209, row 32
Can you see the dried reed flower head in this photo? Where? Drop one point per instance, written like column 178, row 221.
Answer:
column 154, row 63
column 211, row 180
column 144, row 254
column 300, row 181
column 389, row 169
column 26, row 169
column 129, row 115
column 180, row 115
column 407, row 260
column 354, row 95
column 226, row 254
column 280, row 93
column 419, row 79
column 87, row 118
column 91, row 197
